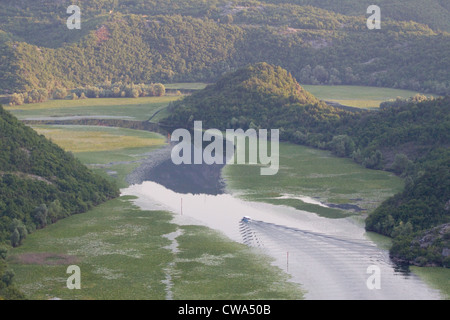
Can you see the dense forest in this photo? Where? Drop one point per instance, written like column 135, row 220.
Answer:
column 179, row 41
column 408, row 137
column 40, row 183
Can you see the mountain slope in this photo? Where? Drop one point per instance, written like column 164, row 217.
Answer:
column 434, row 13
column 151, row 41
column 40, row 183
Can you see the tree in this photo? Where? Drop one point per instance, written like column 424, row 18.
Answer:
column 55, row 211
column 159, row 90
column 7, row 277
column 375, row 161
column 135, row 93
column 342, row 145
column 321, row 74
column 16, row 99
column 15, row 238
column 40, row 216
column 401, row 163
column 228, row 19
column 60, row 93
column 18, row 232
column 3, row 252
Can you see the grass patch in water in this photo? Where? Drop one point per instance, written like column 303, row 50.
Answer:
column 438, row 278
column 316, row 174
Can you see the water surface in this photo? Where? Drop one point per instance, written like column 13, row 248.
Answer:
column 328, row 257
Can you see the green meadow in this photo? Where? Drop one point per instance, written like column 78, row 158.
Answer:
column 316, row 174
column 358, row 96
column 438, row 278
column 111, row 152
column 139, row 109
column 125, row 253
column 186, row 86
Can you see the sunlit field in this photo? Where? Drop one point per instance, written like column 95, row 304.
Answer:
column 122, row 108
column 358, row 96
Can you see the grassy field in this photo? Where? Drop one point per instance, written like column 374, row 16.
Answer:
column 125, row 108
column 126, row 253
column 315, row 174
column 92, row 138
column 438, row 278
column 186, row 86
column 358, row 96
column 111, row 152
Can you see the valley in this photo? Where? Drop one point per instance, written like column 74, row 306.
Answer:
column 118, row 119
column 315, row 188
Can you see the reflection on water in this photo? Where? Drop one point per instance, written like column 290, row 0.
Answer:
column 328, row 257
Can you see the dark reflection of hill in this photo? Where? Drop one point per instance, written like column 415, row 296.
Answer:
column 184, row 178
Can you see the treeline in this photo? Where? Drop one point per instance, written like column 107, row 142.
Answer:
column 410, row 138
column 107, row 90
column 40, row 183
column 411, row 216
column 321, row 48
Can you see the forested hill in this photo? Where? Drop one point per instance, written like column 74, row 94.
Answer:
column 199, row 40
column 257, row 96
column 410, row 138
column 40, row 183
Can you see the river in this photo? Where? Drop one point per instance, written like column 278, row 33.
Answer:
column 330, row 258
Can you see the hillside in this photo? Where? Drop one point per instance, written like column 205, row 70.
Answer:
column 40, row 183
column 433, row 13
column 410, row 138
column 173, row 41
column 257, row 96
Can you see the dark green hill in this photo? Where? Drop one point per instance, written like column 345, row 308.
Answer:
column 40, row 183
column 257, row 96
column 410, row 138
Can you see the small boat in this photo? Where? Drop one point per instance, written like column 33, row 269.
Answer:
column 246, row 219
